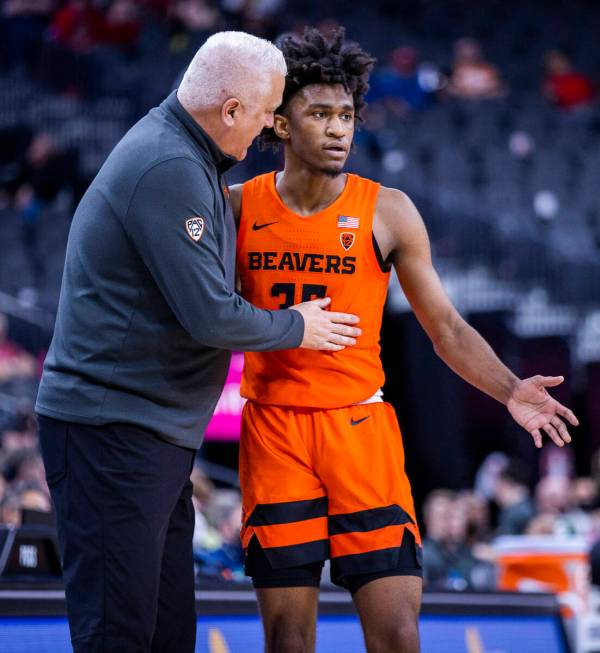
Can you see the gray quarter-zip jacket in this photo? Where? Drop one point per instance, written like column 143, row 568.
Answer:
column 148, row 312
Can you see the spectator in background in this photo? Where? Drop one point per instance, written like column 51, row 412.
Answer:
column 474, row 78
column 448, row 562
column 10, row 509
column 190, row 22
column 74, row 61
column 585, row 493
column 23, row 24
column 67, row 65
column 25, row 501
column 564, row 87
column 260, row 17
column 513, row 499
column 14, row 141
column 226, row 560
column 595, row 565
column 24, row 494
column 403, row 86
column 44, row 171
column 25, row 466
column 557, row 510
column 477, row 517
column 15, row 363
column 77, row 26
column 34, row 501
column 19, row 433
column 122, row 25
column 205, row 536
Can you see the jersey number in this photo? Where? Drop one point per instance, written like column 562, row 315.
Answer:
column 288, row 290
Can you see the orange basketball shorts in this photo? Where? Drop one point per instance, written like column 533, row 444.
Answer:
column 320, row 484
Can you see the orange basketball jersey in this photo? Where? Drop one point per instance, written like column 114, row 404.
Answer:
column 285, row 259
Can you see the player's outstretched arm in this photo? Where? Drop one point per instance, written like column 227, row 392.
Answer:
column 400, row 232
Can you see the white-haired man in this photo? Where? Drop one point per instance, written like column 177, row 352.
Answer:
column 147, row 316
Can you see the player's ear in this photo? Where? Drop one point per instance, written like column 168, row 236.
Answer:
column 280, row 127
column 228, row 110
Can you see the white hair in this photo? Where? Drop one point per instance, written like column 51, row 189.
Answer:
column 229, row 64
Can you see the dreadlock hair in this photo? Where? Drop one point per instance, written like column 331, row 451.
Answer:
column 314, row 59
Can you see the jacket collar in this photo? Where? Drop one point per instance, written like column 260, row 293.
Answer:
column 221, row 160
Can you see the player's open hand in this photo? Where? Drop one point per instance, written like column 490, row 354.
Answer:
column 326, row 330
column 535, row 410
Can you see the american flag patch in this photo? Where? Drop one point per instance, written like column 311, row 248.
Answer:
column 347, row 222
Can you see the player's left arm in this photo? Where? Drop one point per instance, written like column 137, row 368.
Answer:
column 402, row 237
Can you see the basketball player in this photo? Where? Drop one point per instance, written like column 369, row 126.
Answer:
column 321, row 460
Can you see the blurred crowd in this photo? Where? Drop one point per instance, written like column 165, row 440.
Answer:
column 84, row 50
column 25, row 500
column 462, row 527
column 24, row 494
column 408, row 83
column 70, row 45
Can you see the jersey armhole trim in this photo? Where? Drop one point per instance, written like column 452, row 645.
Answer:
column 384, row 266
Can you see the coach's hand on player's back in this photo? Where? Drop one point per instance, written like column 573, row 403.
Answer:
column 326, row 330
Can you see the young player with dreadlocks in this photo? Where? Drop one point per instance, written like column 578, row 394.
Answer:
column 321, row 458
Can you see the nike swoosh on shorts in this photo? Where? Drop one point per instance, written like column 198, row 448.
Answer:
column 354, row 422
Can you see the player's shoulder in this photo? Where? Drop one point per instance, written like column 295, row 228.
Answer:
column 394, row 206
column 398, row 220
column 259, row 180
column 393, row 199
column 236, row 191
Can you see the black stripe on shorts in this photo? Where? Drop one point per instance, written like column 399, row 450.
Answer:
column 287, row 512
column 405, row 558
column 368, row 520
column 297, row 554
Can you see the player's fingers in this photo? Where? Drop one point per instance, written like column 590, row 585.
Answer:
column 568, row 414
column 344, row 330
column 341, row 340
column 346, row 318
column 537, row 438
column 560, row 426
column 553, row 434
column 322, row 302
column 550, row 381
column 330, row 346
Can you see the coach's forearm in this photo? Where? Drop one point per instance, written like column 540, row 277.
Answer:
column 470, row 356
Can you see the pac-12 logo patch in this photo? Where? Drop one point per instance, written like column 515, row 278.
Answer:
column 347, row 240
column 195, row 227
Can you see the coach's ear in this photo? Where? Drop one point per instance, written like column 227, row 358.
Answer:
column 280, row 127
column 229, row 109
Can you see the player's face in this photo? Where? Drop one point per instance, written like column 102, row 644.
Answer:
column 254, row 115
column 319, row 127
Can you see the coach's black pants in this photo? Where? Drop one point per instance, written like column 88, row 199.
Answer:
column 125, row 524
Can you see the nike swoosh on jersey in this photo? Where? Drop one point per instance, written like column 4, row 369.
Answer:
column 256, row 227
column 354, row 422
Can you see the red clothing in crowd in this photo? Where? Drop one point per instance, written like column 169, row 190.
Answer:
column 80, row 26
column 570, row 89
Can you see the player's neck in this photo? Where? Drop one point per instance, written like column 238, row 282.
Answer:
column 305, row 191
